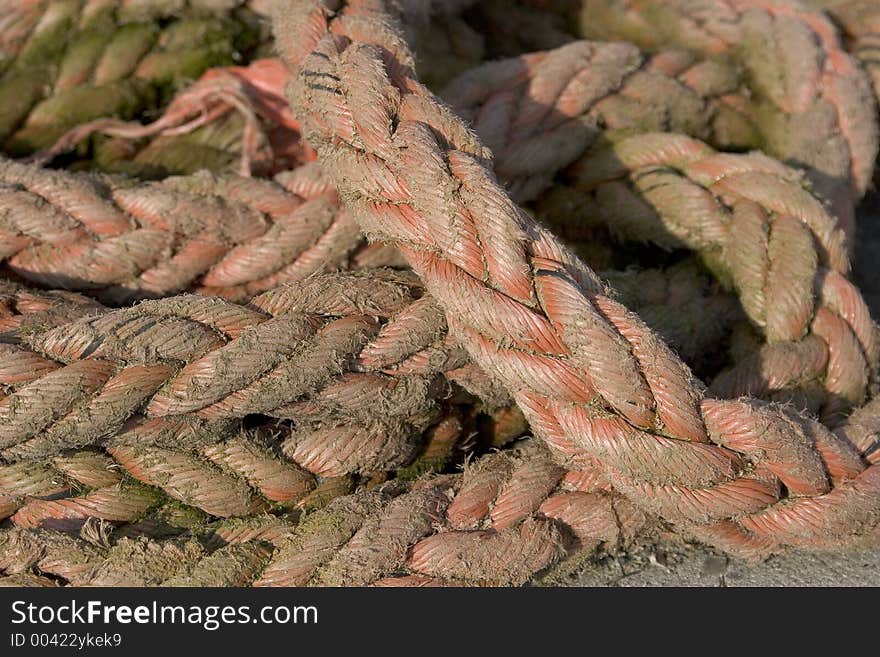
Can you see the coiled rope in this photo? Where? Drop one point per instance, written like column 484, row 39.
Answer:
column 593, row 381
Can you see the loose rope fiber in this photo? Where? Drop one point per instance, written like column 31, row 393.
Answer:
column 593, row 381
column 329, row 354
column 69, row 61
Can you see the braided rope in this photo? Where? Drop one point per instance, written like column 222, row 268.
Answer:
column 757, row 227
column 809, row 87
column 524, row 542
column 61, row 228
column 69, row 61
column 230, row 236
column 539, row 112
column 328, row 353
column 860, row 21
column 513, row 514
column 220, row 472
column 592, row 379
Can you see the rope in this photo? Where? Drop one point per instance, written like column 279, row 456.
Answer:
column 60, row 227
column 221, row 472
column 227, row 236
column 750, row 218
column 815, row 99
column 513, row 514
column 860, row 20
column 70, row 61
column 252, row 95
column 164, row 394
column 592, row 379
column 328, row 352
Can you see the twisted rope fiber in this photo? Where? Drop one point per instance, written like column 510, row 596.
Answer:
column 540, row 112
column 229, row 236
column 524, row 135
column 804, row 81
column 539, row 144
column 327, row 353
column 507, row 517
column 244, row 99
column 860, row 21
column 40, row 352
column 69, row 61
column 753, row 223
column 76, row 231
column 181, row 460
column 190, row 474
column 591, row 378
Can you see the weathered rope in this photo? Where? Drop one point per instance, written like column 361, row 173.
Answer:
column 70, row 61
column 757, row 227
column 248, row 95
column 359, row 342
column 509, row 516
column 540, row 111
column 295, row 229
column 813, row 97
column 211, row 464
column 328, row 353
column 593, row 381
column 216, row 471
column 228, row 236
column 410, row 535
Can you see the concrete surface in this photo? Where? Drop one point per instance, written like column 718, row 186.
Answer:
column 684, row 565
column 653, row 566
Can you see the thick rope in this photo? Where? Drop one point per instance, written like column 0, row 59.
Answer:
column 467, row 544
column 813, row 96
column 593, row 381
column 328, row 353
column 227, row 236
column 60, row 228
column 218, row 471
column 209, row 464
column 251, row 96
column 507, row 517
column 70, row 61
column 756, row 226
column 537, row 113
column 860, row 21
